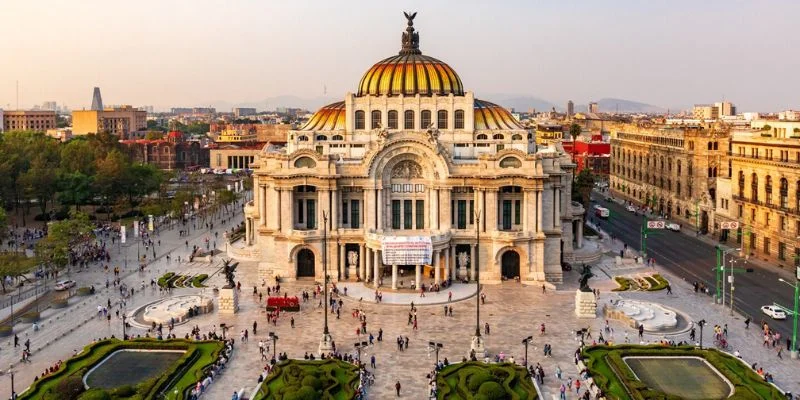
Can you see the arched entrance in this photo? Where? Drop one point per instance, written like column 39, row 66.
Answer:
column 510, row 264
column 305, row 263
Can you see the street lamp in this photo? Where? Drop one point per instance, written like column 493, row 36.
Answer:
column 477, row 340
column 124, row 330
column 796, row 287
column 11, row 373
column 526, row 342
column 435, row 347
column 359, row 346
column 274, row 338
column 326, row 344
column 701, row 324
column 726, row 252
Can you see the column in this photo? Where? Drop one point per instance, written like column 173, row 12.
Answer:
column 262, row 204
column 525, row 212
column 342, row 261
column 539, row 207
column 287, row 208
column 368, row 260
column 381, row 209
column 394, row 276
column 323, row 197
column 274, row 222
column 247, row 230
column 481, row 205
column 450, row 260
column 418, row 276
column 444, row 209
column 362, row 255
column 437, row 272
column 376, row 263
column 580, row 233
column 369, row 209
column 472, row 262
column 447, row 274
column 556, row 208
column 434, row 207
column 334, row 222
column 491, row 210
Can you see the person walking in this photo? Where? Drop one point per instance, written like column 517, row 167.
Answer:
column 563, row 390
column 486, row 328
column 372, row 361
column 397, row 388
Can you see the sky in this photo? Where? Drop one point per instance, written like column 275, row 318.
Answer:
column 194, row 52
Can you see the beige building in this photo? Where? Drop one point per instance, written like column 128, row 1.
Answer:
column 672, row 170
column 39, row 121
column 121, row 121
column 412, row 179
column 234, row 155
column 713, row 111
column 766, row 191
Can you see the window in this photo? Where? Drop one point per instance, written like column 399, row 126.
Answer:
column 781, row 251
column 782, row 223
column 425, row 119
column 441, row 119
column 461, row 223
column 407, row 214
column 679, row 189
column 691, row 145
column 360, row 119
column 472, row 212
column 506, row 214
column 753, row 215
column 355, row 214
column 392, row 119
column 517, row 212
column 395, row 214
column 741, row 183
column 344, row 212
column 302, row 138
column 408, row 119
column 516, row 137
column 420, row 210
column 754, row 187
column 741, row 211
column 321, row 138
column 482, row 136
column 498, row 136
column 305, row 162
column 459, row 122
column 784, row 193
column 337, row 137
column 375, row 115
column 768, row 190
column 766, row 245
column 300, row 211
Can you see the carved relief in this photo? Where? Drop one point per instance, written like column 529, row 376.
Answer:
column 407, row 169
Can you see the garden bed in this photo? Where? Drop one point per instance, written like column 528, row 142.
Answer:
column 479, row 380
column 303, row 379
column 172, row 280
column 283, row 304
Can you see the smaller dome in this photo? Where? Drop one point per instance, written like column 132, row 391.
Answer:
column 328, row 118
column 491, row 116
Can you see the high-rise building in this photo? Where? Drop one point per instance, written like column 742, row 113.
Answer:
column 38, row 120
column 121, row 121
column 713, row 111
column 50, row 106
column 243, row 112
column 97, row 100
column 593, row 108
column 570, row 109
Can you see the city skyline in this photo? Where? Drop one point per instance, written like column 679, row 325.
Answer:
column 198, row 53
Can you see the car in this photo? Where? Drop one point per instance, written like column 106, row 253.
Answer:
column 630, row 208
column 774, row 312
column 675, row 227
column 65, row 285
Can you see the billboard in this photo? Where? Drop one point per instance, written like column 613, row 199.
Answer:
column 406, row 250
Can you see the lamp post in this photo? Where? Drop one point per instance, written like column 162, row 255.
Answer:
column 477, row 341
column 526, row 341
column 726, row 252
column 435, row 347
column 796, row 287
column 274, row 338
column 359, row 346
column 701, row 324
column 188, row 223
column 11, row 373
column 124, row 327
column 326, row 344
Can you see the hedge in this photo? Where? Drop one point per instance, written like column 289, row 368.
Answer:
column 198, row 280
column 305, row 379
column 624, row 284
column 479, row 380
column 612, row 375
column 201, row 354
column 163, row 280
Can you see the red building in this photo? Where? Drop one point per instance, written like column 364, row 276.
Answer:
column 594, row 154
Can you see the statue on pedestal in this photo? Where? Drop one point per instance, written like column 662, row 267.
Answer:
column 228, row 270
column 463, row 260
column 586, row 274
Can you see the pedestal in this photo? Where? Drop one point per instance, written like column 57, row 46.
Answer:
column 352, row 272
column 793, row 355
column 326, row 344
column 462, row 272
column 478, row 346
column 585, row 304
column 228, row 300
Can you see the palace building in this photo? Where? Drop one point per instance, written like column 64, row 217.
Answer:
column 411, row 178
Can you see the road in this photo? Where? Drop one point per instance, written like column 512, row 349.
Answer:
column 693, row 260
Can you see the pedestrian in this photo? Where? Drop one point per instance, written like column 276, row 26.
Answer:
column 747, row 323
column 563, row 391
column 372, row 361
column 543, row 288
column 780, row 349
column 397, row 388
column 669, row 289
column 577, row 386
column 255, row 327
column 291, row 322
column 486, row 328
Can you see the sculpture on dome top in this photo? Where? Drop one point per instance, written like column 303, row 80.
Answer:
column 410, row 38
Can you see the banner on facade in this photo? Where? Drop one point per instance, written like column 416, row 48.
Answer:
column 136, row 229
column 122, row 234
column 150, row 223
column 406, row 250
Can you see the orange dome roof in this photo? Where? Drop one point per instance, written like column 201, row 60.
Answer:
column 410, row 73
column 491, row 116
column 328, row 118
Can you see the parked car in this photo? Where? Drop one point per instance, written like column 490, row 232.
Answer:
column 675, row 227
column 774, row 312
column 64, row 285
column 631, row 208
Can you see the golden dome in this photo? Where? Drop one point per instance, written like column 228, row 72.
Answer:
column 410, row 72
column 328, row 118
column 491, row 116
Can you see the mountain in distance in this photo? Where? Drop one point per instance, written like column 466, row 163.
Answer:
column 520, row 103
column 271, row 103
column 611, row 105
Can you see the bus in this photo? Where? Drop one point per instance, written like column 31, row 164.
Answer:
column 601, row 212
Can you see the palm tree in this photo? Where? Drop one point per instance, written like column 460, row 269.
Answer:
column 574, row 132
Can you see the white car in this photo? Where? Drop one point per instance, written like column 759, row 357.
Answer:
column 630, row 208
column 64, row 285
column 673, row 226
column 774, row 312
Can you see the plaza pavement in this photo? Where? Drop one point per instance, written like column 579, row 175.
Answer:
column 513, row 311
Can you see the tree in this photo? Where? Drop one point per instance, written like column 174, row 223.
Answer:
column 143, row 179
column 582, row 187
column 74, row 189
column 154, row 135
column 111, row 179
column 39, row 182
column 574, row 132
column 14, row 264
column 3, row 226
column 226, row 197
column 53, row 249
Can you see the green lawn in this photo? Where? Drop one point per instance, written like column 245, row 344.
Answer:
column 480, row 381
column 310, row 380
column 618, row 381
column 181, row 375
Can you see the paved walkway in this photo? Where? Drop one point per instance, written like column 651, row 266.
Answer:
column 358, row 292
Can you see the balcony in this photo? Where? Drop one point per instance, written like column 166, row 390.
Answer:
column 776, row 207
column 777, row 161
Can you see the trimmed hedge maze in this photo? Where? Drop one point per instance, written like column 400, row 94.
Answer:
column 310, row 380
column 477, row 380
column 172, row 280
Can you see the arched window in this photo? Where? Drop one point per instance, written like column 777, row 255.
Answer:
column 376, row 119
column 441, row 119
column 408, row 119
column 459, row 119
column 754, row 187
column 321, row 138
column 498, row 136
column 679, row 169
column 425, row 119
column 305, row 162
column 784, row 193
column 337, row 137
column 768, row 190
column 482, row 136
column 516, row 137
column 360, row 119
column 510, row 162
column 302, row 138
column 741, row 183
column 392, row 119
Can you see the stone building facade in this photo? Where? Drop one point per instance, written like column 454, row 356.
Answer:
column 172, row 152
column 412, row 179
column 765, row 192
column 39, row 121
column 673, row 170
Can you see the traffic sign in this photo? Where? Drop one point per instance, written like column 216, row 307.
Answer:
column 729, row 225
column 656, row 224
